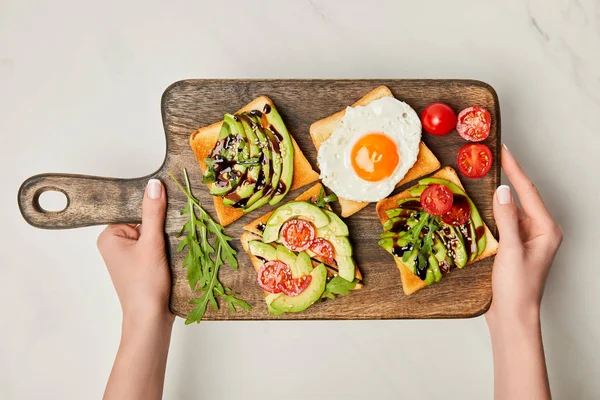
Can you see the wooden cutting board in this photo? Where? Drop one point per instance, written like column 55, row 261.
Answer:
column 189, row 104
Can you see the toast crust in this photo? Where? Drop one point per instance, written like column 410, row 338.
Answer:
column 203, row 140
column 322, row 129
column 252, row 229
column 410, row 282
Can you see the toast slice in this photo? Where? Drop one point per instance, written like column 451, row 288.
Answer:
column 203, row 140
column 253, row 232
column 410, row 282
column 321, row 130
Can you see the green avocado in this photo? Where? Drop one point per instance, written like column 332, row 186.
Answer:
column 276, row 165
column 286, row 147
column 264, row 180
column 475, row 216
column 302, row 266
column 341, row 244
column 247, row 186
column 232, row 135
column 429, row 277
column 293, row 209
column 416, row 191
column 262, row 250
column 312, row 293
column 434, row 266
column 346, row 267
column 452, row 238
column 285, row 255
column 336, row 225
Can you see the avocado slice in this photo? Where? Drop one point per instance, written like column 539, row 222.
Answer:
column 302, row 266
column 264, row 179
column 275, row 124
column 262, row 250
column 429, row 277
column 293, row 209
column 239, row 197
column 276, row 165
column 282, row 303
column 452, row 238
column 336, row 225
column 341, row 244
column 346, row 267
column 475, row 216
column 417, row 190
column 435, row 267
column 224, row 155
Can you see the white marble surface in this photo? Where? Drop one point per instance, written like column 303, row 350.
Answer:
column 80, row 87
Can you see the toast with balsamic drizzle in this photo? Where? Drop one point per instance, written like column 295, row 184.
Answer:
column 450, row 246
column 249, row 159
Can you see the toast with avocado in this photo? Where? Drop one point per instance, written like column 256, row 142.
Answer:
column 301, row 253
column 426, row 247
column 249, row 159
column 322, row 129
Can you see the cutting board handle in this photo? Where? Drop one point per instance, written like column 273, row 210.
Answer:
column 91, row 200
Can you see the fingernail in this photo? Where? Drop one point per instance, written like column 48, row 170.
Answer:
column 504, row 195
column 154, row 189
column 505, row 148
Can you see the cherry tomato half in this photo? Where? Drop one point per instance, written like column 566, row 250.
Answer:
column 474, row 160
column 459, row 213
column 436, row 199
column 272, row 274
column 324, row 250
column 438, row 119
column 297, row 234
column 474, row 124
column 293, row 287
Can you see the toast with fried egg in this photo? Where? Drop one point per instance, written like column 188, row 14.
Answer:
column 321, row 130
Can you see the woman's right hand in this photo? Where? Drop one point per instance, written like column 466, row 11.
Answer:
column 529, row 239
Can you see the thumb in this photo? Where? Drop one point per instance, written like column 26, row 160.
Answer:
column 507, row 217
column 154, row 209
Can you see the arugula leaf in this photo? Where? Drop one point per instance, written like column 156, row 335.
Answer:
column 338, row 285
column 210, row 175
column 323, row 201
column 204, row 260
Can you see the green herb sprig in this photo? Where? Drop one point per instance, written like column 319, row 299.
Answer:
column 338, row 285
column 204, row 260
column 323, row 201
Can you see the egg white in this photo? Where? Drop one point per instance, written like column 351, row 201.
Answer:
column 388, row 115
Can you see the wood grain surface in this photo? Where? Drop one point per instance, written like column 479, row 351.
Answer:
column 190, row 104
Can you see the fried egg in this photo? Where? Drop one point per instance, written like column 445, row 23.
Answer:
column 370, row 150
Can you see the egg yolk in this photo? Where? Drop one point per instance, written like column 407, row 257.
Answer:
column 374, row 157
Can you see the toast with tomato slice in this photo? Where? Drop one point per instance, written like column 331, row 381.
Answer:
column 322, row 129
column 203, row 140
column 411, row 282
column 254, row 231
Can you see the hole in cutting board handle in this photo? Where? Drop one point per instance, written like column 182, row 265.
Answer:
column 51, row 200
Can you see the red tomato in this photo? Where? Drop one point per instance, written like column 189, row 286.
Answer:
column 459, row 213
column 293, row 287
column 438, row 119
column 324, row 250
column 436, row 199
column 297, row 234
column 474, row 124
column 474, row 160
column 272, row 274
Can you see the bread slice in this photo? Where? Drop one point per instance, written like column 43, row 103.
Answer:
column 410, row 282
column 321, row 130
column 253, row 232
column 203, row 140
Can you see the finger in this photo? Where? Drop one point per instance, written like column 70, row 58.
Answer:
column 507, row 218
column 119, row 231
column 154, row 209
column 529, row 197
